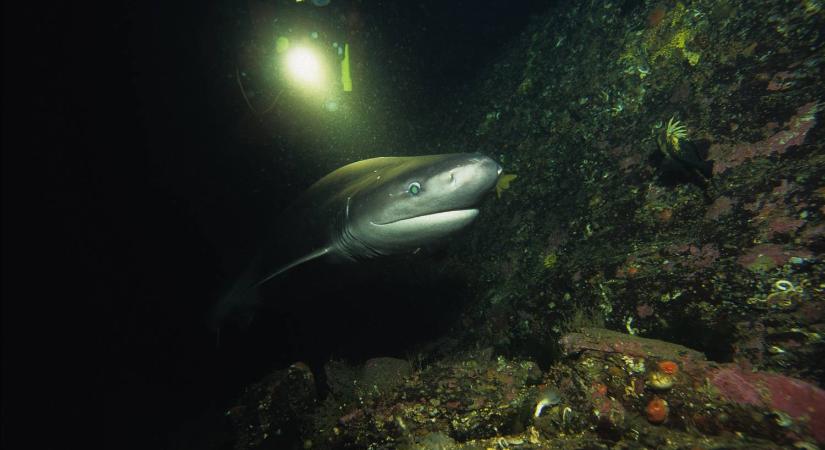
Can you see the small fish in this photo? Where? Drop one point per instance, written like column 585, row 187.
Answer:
column 504, row 183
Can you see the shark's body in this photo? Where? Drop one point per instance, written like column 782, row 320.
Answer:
column 371, row 208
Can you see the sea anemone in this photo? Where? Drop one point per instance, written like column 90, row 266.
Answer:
column 674, row 132
column 668, row 367
column 657, row 410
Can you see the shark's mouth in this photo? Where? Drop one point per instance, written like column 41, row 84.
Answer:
column 438, row 218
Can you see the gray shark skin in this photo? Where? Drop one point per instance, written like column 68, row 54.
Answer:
column 368, row 209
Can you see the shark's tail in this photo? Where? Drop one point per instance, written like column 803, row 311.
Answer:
column 238, row 304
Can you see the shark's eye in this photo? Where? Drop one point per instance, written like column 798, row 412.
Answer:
column 414, row 188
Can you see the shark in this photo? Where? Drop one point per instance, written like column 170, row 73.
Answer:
column 369, row 209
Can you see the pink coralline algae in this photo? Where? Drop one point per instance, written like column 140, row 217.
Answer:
column 726, row 156
column 644, row 310
column 721, row 207
column 784, row 189
column 781, row 81
column 799, row 399
column 703, row 257
column 774, row 214
column 768, row 256
column 732, row 384
column 695, row 257
column 813, row 233
column 784, row 225
column 776, row 218
column 771, row 254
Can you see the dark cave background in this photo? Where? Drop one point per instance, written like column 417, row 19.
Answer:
column 130, row 200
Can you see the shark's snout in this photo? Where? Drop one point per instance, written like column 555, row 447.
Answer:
column 487, row 171
column 487, row 165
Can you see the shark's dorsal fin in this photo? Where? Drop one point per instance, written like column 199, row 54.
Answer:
column 316, row 254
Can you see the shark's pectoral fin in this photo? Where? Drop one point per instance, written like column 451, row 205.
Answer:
column 316, row 254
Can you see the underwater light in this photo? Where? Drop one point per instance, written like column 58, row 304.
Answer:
column 304, row 67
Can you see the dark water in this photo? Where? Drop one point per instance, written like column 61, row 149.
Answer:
column 136, row 183
column 148, row 148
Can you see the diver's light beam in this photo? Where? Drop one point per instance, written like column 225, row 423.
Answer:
column 304, row 67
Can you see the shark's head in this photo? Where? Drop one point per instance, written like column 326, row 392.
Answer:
column 412, row 202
